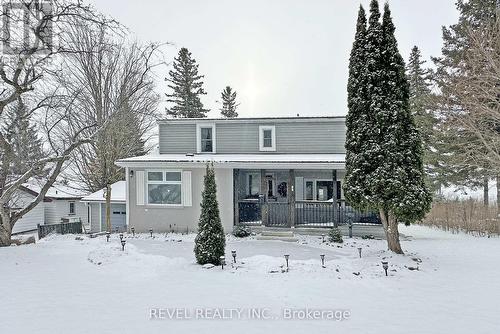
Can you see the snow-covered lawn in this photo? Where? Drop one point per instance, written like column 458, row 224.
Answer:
column 63, row 285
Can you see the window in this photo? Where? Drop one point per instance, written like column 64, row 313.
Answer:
column 270, row 185
column 164, row 187
column 205, row 138
column 253, row 184
column 267, row 138
column 319, row 190
column 71, row 208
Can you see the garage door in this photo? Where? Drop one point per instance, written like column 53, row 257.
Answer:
column 118, row 217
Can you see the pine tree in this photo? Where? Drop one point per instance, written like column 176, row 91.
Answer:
column 229, row 104
column 210, row 241
column 26, row 145
column 385, row 170
column 187, row 88
column 421, row 99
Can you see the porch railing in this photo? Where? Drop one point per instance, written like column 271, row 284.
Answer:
column 307, row 214
column 249, row 212
column 314, row 213
column 278, row 213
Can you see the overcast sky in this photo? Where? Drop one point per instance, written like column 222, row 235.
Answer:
column 283, row 57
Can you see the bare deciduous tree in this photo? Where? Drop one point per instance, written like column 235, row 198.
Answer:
column 114, row 82
column 29, row 68
column 474, row 86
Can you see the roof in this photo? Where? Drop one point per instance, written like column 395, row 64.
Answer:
column 118, row 194
column 57, row 191
column 251, row 119
column 237, row 160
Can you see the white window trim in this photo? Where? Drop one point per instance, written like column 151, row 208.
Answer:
column 261, row 138
column 199, row 126
column 163, row 171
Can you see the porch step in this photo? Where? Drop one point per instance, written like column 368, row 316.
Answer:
column 283, row 235
column 269, row 237
column 275, row 233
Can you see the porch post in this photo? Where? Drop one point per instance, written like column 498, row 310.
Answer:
column 263, row 197
column 334, row 201
column 236, row 196
column 291, row 197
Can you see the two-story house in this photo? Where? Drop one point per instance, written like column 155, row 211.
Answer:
column 269, row 171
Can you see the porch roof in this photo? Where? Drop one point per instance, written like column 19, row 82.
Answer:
column 295, row 161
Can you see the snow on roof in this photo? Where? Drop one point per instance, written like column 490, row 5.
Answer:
column 117, row 194
column 254, row 119
column 57, row 191
column 238, row 158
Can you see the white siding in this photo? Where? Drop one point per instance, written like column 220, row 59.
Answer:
column 58, row 209
column 30, row 220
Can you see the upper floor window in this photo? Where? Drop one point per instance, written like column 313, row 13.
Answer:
column 267, row 138
column 164, row 187
column 205, row 134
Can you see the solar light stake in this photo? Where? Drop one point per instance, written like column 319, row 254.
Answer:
column 108, row 234
column 323, row 237
column 121, row 236
column 385, row 265
column 322, row 260
column 222, row 261
column 286, row 258
column 359, row 250
column 350, row 229
column 233, row 253
column 133, row 231
column 151, row 232
column 123, row 244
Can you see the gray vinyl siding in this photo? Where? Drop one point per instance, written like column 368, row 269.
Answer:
column 178, row 138
column 304, row 137
column 94, row 217
column 237, row 137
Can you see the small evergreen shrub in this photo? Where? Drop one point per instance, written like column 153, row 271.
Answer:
column 242, row 231
column 335, row 236
column 210, row 241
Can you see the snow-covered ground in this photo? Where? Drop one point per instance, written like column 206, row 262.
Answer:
column 63, row 285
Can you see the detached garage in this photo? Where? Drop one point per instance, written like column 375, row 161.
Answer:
column 96, row 203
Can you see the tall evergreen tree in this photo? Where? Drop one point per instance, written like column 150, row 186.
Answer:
column 421, row 99
column 26, row 145
column 229, row 104
column 210, row 241
column 187, row 88
column 385, row 171
column 357, row 117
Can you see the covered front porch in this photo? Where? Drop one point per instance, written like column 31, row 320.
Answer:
column 293, row 198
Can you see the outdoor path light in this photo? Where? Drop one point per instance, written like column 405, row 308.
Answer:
column 123, row 244
column 222, row 261
column 233, row 253
column 322, row 260
column 323, row 238
column 385, row 265
column 121, row 236
column 108, row 234
column 286, row 258
column 133, row 231
column 151, row 232
column 359, row 250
